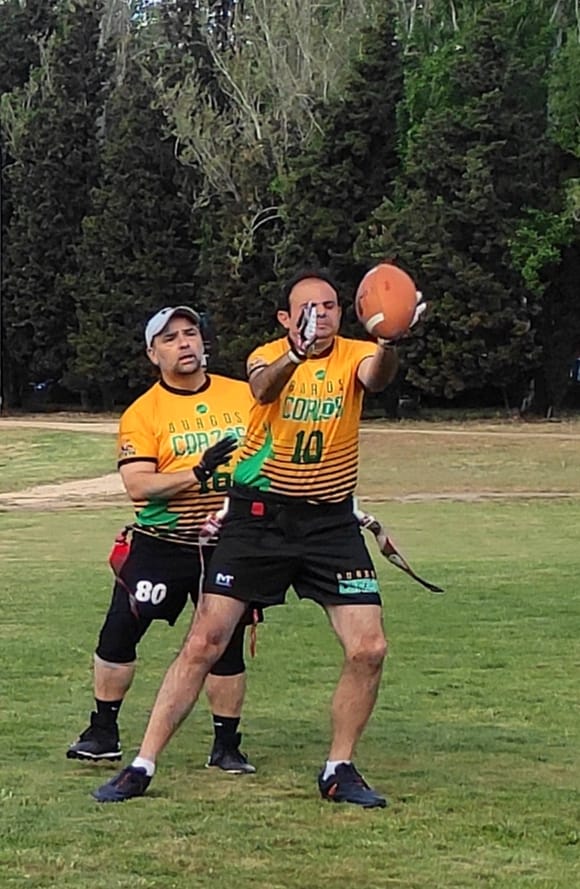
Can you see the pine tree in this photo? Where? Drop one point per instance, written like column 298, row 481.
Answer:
column 271, row 66
column 24, row 27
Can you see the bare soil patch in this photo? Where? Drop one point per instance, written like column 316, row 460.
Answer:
column 39, row 421
column 395, row 463
column 87, row 493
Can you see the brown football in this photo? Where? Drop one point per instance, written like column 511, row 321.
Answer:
column 385, row 301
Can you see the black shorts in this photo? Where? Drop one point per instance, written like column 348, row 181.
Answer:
column 159, row 577
column 268, row 544
column 155, row 583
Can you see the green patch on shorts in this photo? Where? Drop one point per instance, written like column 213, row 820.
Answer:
column 357, row 586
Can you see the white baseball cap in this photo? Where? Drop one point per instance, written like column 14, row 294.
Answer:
column 160, row 321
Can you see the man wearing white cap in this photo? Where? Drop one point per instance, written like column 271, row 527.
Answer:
column 177, row 445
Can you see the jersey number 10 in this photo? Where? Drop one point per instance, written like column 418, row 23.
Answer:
column 309, row 451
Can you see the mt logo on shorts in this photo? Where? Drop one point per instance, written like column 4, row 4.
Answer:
column 224, row 579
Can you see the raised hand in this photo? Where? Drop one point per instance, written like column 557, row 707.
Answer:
column 306, row 332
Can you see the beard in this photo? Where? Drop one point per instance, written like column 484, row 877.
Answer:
column 186, row 370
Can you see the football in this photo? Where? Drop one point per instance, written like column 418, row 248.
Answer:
column 385, row 301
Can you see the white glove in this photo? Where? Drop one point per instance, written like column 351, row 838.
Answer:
column 419, row 309
column 303, row 347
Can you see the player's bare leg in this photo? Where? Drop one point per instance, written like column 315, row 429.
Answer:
column 112, row 681
column 226, row 694
column 100, row 741
column 212, row 627
column 360, row 631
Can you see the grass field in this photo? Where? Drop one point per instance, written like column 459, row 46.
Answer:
column 399, row 458
column 403, row 461
column 475, row 739
column 34, row 457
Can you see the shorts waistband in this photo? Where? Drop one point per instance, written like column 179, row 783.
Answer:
column 154, row 539
column 248, row 501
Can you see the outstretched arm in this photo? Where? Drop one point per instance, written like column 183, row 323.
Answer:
column 377, row 371
column 380, row 369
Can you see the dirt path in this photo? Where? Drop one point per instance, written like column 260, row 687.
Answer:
column 98, row 493
column 108, row 490
column 87, row 493
column 559, row 432
column 38, row 422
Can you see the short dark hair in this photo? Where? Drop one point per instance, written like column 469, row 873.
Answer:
column 319, row 274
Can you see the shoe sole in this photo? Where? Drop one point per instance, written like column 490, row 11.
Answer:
column 115, row 799
column 92, row 757
column 377, row 805
column 230, row 771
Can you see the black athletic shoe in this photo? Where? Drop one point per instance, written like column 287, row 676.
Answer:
column 228, row 757
column 346, row 785
column 128, row 783
column 99, row 741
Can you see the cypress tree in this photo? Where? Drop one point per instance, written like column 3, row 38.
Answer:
column 23, row 27
column 546, row 244
column 352, row 163
column 55, row 162
column 476, row 151
column 136, row 254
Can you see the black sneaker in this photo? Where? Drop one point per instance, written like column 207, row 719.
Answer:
column 99, row 741
column 128, row 783
column 346, row 785
column 228, row 757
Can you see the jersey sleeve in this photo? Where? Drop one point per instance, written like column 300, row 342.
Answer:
column 358, row 351
column 265, row 354
column 136, row 439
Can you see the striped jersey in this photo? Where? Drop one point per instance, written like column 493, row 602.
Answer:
column 172, row 428
column 305, row 443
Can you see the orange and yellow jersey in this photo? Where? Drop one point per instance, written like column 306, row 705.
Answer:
column 172, row 428
column 305, row 444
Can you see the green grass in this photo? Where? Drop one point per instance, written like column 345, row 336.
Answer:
column 475, row 737
column 34, row 457
column 399, row 459
column 402, row 460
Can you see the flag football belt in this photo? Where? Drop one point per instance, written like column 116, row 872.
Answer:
column 274, row 508
column 117, row 558
column 389, row 550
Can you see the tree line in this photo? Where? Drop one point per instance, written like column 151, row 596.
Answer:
column 157, row 152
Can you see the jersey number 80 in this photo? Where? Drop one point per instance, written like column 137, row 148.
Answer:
column 145, row 591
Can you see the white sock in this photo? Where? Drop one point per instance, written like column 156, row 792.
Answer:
column 147, row 764
column 331, row 765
